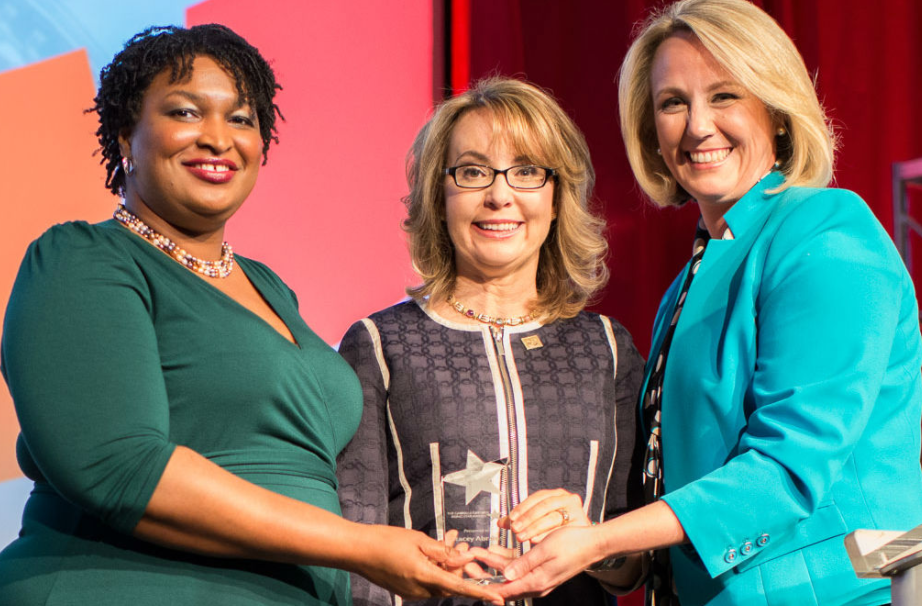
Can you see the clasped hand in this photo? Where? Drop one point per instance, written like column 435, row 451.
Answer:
column 412, row 565
column 555, row 517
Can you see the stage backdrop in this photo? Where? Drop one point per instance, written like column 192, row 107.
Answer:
column 358, row 84
column 326, row 212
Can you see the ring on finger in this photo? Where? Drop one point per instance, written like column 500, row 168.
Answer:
column 565, row 517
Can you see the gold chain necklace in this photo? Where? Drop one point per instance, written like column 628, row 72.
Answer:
column 467, row 312
column 213, row 269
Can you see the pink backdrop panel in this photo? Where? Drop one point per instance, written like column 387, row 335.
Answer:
column 49, row 175
column 326, row 211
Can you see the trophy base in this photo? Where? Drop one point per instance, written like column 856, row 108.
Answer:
column 492, row 580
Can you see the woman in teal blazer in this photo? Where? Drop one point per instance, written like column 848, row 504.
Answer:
column 782, row 394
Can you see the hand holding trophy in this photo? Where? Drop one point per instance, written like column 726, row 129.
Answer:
column 477, row 510
column 471, row 502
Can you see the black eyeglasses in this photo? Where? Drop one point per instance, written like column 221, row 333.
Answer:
column 476, row 176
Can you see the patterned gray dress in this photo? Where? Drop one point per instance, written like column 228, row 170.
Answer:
column 545, row 406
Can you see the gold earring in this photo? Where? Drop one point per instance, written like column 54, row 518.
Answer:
column 781, row 132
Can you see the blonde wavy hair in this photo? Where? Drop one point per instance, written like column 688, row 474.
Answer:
column 571, row 265
column 757, row 53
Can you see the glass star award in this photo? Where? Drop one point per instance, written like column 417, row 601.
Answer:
column 473, row 500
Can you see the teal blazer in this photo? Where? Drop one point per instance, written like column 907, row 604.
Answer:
column 792, row 402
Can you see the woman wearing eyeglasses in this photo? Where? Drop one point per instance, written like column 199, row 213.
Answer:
column 492, row 388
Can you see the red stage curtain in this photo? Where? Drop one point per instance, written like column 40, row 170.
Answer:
column 867, row 58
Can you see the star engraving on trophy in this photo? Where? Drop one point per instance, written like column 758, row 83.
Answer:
column 477, row 477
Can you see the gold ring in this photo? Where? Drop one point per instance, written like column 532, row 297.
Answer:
column 564, row 515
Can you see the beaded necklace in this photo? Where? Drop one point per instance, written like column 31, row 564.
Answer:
column 212, row 269
column 465, row 311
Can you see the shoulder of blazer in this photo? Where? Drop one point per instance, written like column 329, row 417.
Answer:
column 812, row 204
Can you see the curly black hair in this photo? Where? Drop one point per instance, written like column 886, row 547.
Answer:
column 124, row 81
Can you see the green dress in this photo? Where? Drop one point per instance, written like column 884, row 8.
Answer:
column 114, row 354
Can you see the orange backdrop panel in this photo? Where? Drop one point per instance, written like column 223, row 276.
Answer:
column 49, row 176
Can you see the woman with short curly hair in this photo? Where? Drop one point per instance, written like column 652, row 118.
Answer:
column 178, row 417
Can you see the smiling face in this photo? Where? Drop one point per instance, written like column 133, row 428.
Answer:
column 715, row 137
column 497, row 231
column 195, row 148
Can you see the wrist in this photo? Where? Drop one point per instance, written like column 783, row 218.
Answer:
column 603, row 549
column 342, row 540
